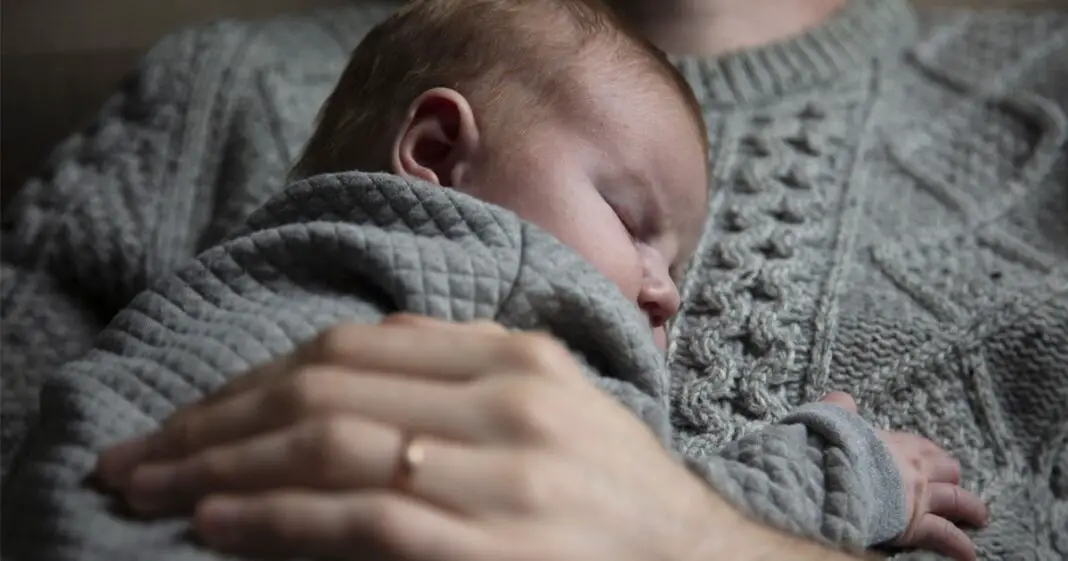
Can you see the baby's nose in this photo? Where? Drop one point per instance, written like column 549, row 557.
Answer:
column 659, row 299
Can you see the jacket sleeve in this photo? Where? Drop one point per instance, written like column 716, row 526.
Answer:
column 212, row 319
column 821, row 473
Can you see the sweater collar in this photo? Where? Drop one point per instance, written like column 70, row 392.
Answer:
column 858, row 32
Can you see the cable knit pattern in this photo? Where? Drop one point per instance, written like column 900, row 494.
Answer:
column 897, row 228
column 353, row 247
column 889, row 219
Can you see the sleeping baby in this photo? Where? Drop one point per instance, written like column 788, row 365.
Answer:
column 534, row 163
column 596, row 138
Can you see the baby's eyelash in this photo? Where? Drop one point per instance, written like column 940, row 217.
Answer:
column 628, row 225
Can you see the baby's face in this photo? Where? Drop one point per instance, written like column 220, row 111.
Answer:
column 622, row 180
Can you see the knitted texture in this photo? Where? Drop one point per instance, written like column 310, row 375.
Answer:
column 893, row 222
column 889, row 220
column 353, row 247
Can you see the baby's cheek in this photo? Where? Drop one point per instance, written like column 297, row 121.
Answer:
column 620, row 264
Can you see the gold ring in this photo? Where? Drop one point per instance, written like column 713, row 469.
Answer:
column 410, row 458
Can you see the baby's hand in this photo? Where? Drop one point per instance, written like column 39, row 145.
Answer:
column 933, row 495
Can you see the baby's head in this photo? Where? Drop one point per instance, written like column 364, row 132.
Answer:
column 550, row 108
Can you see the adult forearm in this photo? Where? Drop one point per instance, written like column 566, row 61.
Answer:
column 742, row 539
column 782, row 546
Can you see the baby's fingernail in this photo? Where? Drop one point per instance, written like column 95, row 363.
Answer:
column 115, row 464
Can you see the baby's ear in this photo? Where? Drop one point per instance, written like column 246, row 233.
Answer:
column 438, row 139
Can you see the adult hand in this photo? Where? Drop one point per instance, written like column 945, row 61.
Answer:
column 933, row 495
column 515, row 456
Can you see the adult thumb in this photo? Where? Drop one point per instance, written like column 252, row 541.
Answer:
column 841, row 399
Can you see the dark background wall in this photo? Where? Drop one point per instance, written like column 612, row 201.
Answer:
column 61, row 58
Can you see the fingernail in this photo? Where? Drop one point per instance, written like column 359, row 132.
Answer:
column 116, row 463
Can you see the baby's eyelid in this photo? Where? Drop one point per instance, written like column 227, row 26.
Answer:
column 627, row 224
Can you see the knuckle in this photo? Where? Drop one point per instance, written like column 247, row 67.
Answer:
column 281, row 526
column 526, row 407
column 947, row 529
column 212, row 466
column 954, row 470
column 305, row 391
column 323, row 445
column 487, row 326
column 920, row 498
column 406, row 318
column 536, row 353
column 387, row 525
column 332, row 344
column 180, row 436
column 527, row 477
column 955, row 499
column 930, row 448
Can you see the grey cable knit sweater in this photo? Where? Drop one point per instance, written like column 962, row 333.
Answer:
column 891, row 222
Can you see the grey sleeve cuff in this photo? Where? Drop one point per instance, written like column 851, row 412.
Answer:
column 879, row 479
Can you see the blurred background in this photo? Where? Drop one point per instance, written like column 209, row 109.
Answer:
column 61, row 58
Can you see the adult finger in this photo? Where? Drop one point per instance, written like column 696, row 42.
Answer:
column 337, row 453
column 308, row 353
column 289, row 524
column 424, row 406
column 445, row 353
column 939, row 465
column 478, row 325
column 116, row 462
column 934, row 533
column 957, row 505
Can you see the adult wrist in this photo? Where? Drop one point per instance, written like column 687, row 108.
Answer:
column 728, row 534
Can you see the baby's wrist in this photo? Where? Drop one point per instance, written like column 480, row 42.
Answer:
column 735, row 537
column 878, row 481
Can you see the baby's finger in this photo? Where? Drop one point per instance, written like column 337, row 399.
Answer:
column 941, row 536
column 957, row 505
column 841, row 399
column 943, row 469
column 285, row 525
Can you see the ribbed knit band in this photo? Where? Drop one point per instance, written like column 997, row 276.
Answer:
column 858, row 32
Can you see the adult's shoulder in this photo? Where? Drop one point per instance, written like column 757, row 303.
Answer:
column 1000, row 49
column 317, row 40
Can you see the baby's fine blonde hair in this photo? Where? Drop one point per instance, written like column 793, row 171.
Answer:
column 513, row 58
